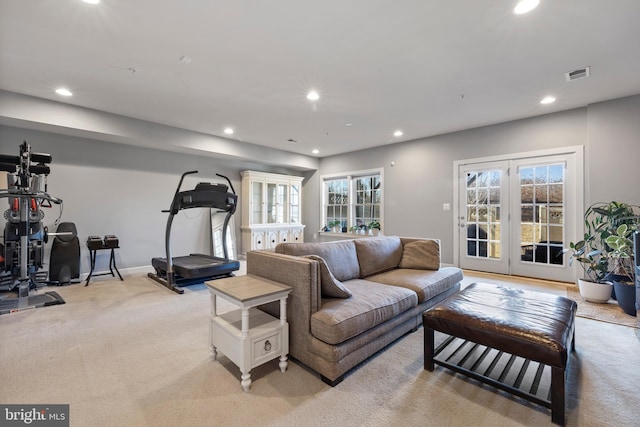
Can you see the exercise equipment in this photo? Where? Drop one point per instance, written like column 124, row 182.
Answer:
column 196, row 268
column 24, row 235
column 64, row 261
column 95, row 244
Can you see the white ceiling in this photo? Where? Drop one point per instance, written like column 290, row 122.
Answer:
column 424, row 66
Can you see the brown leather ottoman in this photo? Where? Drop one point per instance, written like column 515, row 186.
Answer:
column 489, row 323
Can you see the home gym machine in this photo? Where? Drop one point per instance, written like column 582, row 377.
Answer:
column 196, row 268
column 22, row 253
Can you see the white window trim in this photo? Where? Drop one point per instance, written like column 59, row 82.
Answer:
column 350, row 177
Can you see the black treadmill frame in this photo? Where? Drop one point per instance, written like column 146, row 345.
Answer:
column 200, row 197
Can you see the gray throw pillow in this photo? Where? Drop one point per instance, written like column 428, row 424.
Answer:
column 329, row 285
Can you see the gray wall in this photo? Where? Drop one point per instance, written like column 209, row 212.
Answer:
column 422, row 178
column 119, row 189
column 613, row 154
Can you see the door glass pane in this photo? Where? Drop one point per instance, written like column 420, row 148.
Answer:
column 542, row 214
column 483, row 214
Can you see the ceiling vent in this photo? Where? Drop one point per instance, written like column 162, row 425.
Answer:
column 580, row 73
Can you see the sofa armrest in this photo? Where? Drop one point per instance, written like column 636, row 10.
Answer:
column 302, row 274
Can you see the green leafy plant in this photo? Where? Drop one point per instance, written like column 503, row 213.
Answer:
column 374, row 225
column 335, row 223
column 595, row 252
column 621, row 252
column 603, row 219
column 594, row 265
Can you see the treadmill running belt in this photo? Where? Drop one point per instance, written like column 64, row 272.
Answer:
column 198, row 266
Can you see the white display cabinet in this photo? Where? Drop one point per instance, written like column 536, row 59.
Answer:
column 271, row 210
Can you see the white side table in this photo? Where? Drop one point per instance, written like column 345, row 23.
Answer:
column 249, row 337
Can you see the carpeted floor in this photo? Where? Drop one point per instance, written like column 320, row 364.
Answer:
column 135, row 354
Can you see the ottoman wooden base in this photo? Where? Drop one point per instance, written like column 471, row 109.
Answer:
column 511, row 339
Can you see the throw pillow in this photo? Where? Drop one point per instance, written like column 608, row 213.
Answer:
column 378, row 254
column 329, row 285
column 421, row 255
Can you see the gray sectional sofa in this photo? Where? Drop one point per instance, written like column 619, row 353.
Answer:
column 351, row 298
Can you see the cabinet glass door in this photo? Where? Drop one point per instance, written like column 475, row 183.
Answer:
column 283, row 213
column 294, row 202
column 258, row 203
column 272, row 203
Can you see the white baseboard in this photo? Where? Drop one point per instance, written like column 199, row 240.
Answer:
column 131, row 271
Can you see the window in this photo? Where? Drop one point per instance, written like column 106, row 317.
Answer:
column 354, row 199
column 337, row 202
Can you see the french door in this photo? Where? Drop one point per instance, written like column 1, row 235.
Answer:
column 515, row 216
column 484, row 233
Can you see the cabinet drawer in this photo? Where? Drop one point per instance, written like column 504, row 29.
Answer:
column 266, row 348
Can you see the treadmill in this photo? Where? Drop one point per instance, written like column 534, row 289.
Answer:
column 196, row 268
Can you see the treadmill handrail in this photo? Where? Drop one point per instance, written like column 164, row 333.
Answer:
column 182, row 179
column 229, row 181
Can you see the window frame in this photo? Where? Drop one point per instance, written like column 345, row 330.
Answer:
column 351, row 177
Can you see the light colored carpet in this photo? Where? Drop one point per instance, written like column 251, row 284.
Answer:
column 133, row 353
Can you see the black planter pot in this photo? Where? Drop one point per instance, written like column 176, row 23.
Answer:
column 626, row 295
column 610, row 277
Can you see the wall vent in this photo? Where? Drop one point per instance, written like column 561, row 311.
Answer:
column 580, row 73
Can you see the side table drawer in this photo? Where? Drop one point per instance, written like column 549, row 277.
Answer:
column 266, row 348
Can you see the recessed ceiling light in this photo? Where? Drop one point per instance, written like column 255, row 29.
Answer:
column 315, row 151
column 548, row 100
column 525, row 6
column 397, row 133
column 313, row 95
column 228, row 131
column 91, row 1
column 63, row 91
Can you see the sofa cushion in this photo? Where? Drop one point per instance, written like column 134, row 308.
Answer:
column 372, row 303
column 426, row 283
column 329, row 285
column 340, row 256
column 378, row 254
column 421, row 255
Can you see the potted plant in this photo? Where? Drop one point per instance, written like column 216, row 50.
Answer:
column 375, row 227
column 621, row 256
column 600, row 261
column 593, row 287
column 353, row 229
column 335, row 226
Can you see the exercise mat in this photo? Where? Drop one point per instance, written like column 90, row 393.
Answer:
column 14, row 305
